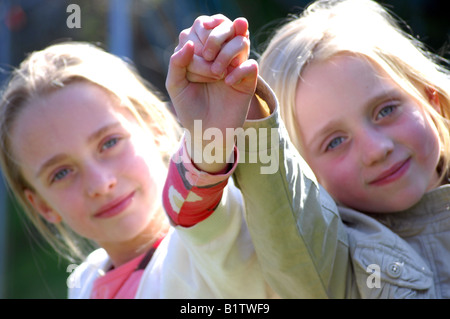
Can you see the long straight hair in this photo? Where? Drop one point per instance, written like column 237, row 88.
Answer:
column 53, row 68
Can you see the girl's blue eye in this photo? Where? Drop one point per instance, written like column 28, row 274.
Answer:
column 110, row 143
column 59, row 175
column 385, row 111
column 335, row 143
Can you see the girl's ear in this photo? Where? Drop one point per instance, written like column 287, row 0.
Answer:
column 433, row 97
column 42, row 207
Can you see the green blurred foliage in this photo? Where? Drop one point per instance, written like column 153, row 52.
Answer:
column 33, row 270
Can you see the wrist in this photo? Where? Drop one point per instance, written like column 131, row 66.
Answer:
column 211, row 157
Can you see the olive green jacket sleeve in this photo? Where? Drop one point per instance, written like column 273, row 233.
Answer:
column 299, row 238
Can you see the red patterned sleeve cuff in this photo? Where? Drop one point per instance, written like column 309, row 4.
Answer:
column 191, row 195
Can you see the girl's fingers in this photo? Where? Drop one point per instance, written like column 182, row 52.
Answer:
column 198, row 33
column 190, row 35
column 210, row 34
column 202, row 28
column 216, row 39
column 199, row 70
column 203, row 25
column 214, row 20
column 179, row 62
column 196, row 78
column 244, row 77
column 210, row 49
column 241, row 27
column 233, row 53
column 220, row 36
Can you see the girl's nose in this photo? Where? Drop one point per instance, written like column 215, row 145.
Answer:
column 99, row 180
column 375, row 147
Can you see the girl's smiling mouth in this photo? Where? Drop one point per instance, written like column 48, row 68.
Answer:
column 392, row 174
column 115, row 207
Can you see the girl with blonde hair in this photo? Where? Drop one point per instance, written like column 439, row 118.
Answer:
column 368, row 107
column 85, row 146
column 364, row 212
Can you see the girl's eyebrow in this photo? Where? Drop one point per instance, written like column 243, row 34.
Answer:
column 94, row 136
column 52, row 161
column 318, row 134
column 60, row 157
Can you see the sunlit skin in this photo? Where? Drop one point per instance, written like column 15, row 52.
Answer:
column 371, row 145
column 92, row 167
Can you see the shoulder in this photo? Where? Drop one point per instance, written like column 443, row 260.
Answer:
column 82, row 277
column 384, row 264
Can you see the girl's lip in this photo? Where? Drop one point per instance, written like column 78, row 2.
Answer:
column 115, row 207
column 392, row 174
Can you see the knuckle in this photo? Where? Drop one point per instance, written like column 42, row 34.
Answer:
column 184, row 34
column 220, row 16
column 199, row 20
column 247, row 44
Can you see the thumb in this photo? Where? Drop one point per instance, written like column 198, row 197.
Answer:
column 176, row 79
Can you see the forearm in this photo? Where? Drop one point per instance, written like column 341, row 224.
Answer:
column 214, row 234
column 216, row 156
column 297, row 233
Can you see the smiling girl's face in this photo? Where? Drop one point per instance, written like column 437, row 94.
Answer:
column 372, row 146
column 89, row 163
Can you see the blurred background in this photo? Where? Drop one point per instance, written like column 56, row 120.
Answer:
column 146, row 32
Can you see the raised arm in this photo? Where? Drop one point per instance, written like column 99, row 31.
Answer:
column 204, row 205
column 298, row 236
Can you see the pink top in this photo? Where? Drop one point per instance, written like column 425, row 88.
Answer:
column 119, row 283
column 122, row 282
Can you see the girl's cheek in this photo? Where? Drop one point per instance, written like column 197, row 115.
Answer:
column 423, row 135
